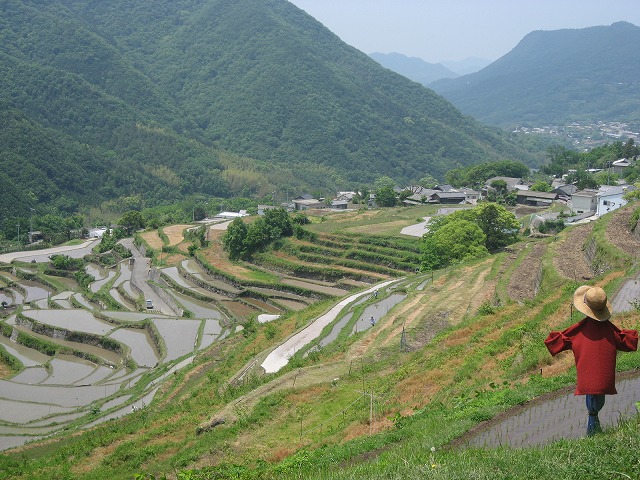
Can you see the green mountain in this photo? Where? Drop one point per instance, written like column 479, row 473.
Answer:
column 555, row 77
column 170, row 98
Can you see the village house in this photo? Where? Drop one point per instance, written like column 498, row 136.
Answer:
column 565, row 191
column 339, row 204
column 584, row 201
column 537, row 199
column 450, row 197
column 307, row 204
column 611, row 198
column 620, row 167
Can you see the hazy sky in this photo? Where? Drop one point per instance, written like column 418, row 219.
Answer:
column 440, row 30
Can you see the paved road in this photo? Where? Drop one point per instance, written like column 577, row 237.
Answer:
column 280, row 356
column 141, row 273
column 40, row 256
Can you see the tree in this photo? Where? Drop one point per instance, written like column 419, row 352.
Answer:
column 279, row 218
column 500, row 186
column 582, row 180
column 630, row 150
column 131, row 221
column 457, row 241
column 427, row 181
column 384, row 182
column 233, row 240
column 540, row 186
column 499, row 225
column 386, row 197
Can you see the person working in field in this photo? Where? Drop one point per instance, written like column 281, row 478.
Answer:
column 594, row 341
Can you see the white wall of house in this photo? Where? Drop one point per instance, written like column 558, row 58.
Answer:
column 583, row 203
column 609, row 202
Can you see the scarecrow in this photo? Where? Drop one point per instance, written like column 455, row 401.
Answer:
column 594, row 341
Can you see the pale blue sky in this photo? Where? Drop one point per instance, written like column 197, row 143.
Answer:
column 440, row 30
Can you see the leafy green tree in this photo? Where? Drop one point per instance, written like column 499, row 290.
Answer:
column 386, row 197
column 279, row 218
column 500, row 186
column 630, row 150
column 131, row 221
column 499, row 225
column 457, row 241
column 582, row 180
column 384, row 182
column 233, row 240
column 108, row 241
column 428, row 181
column 540, row 186
column 64, row 262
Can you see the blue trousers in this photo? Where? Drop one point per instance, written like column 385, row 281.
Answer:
column 594, row 405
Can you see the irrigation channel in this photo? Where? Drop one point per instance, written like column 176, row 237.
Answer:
column 119, row 357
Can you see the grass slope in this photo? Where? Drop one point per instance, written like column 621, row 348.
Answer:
column 369, row 405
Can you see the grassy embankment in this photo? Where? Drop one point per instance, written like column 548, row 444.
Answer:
column 368, row 405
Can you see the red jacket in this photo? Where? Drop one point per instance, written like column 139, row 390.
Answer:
column 594, row 346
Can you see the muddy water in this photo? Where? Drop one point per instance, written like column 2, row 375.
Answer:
column 335, row 331
column 115, row 402
column 180, row 336
column 83, row 301
column 131, row 316
column 199, row 308
column 67, row 371
column 173, row 274
column 27, row 356
column 35, row 293
column 377, row 311
column 17, row 296
column 99, row 374
column 74, row 320
column 63, row 299
column 31, row 376
column 96, row 271
column 22, row 411
column 5, row 297
column 125, row 273
column 130, row 290
column 192, row 267
column 95, row 286
column 210, row 333
column 140, row 343
column 115, row 294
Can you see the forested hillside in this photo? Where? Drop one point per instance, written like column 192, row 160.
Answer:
column 555, row 77
column 164, row 99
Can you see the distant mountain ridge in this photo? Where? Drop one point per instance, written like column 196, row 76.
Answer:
column 413, row 68
column 554, row 77
column 214, row 97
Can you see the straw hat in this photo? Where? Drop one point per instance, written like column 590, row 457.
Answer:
column 592, row 301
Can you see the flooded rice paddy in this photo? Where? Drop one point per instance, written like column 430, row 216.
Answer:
column 60, row 391
column 103, row 361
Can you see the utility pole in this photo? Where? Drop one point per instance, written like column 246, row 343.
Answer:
column 31, row 227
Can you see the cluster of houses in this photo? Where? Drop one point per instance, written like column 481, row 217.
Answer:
column 581, row 202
